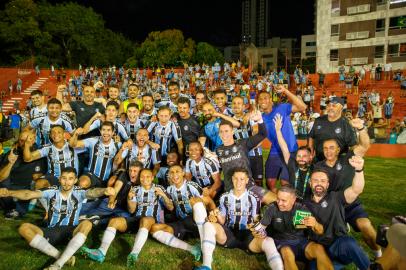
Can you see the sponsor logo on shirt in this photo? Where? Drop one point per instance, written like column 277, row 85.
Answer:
column 338, row 130
column 339, row 167
column 324, row 204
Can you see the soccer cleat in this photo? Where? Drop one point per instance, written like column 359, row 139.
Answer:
column 203, row 267
column 71, row 261
column 132, row 259
column 93, row 254
column 196, row 252
column 53, row 267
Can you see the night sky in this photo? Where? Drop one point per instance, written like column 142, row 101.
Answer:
column 215, row 21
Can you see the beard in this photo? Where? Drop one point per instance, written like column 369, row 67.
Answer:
column 319, row 193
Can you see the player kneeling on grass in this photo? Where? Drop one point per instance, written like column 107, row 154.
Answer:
column 145, row 203
column 63, row 220
column 188, row 201
column 229, row 224
column 286, row 221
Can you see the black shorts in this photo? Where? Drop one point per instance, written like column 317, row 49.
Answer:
column 185, row 228
column 298, row 247
column 94, row 180
column 276, row 167
column 237, row 239
column 133, row 223
column 59, row 234
column 388, row 116
column 257, row 169
column 353, row 212
column 322, row 108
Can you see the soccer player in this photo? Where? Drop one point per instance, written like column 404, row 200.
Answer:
column 140, row 151
column 210, row 130
column 102, row 151
column 190, row 211
column 111, row 115
column 328, row 209
column 59, row 154
column 203, row 170
column 64, row 203
column 229, row 224
column 292, row 242
column 148, row 111
column 188, row 124
column 274, row 166
column 172, row 158
column 248, row 129
column 234, row 154
column 43, row 124
column 146, row 203
column 39, row 107
column 133, row 91
column 133, row 123
column 299, row 167
column 220, row 99
column 165, row 132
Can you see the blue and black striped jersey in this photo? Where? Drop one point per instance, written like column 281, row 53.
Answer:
column 181, row 196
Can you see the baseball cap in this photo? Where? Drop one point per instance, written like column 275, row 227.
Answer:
column 336, row 100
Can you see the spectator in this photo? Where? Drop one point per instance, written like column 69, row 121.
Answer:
column 351, row 71
column 19, row 85
column 378, row 72
column 388, row 71
column 323, row 103
column 393, row 136
column 321, row 78
column 372, row 72
column 376, row 111
column 356, row 81
column 15, row 124
column 388, row 108
column 403, row 87
column 380, row 131
column 348, row 83
column 37, row 70
column 341, row 72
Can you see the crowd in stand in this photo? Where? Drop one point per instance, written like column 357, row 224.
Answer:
column 178, row 155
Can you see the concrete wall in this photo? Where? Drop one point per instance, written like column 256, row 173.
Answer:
column 306, row 49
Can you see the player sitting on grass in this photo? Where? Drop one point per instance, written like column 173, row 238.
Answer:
column 190, row 211
column 64, row 204
column 145, row 203
column 229, row 224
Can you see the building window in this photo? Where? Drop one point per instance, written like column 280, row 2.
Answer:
column 334, row 55
column 379, row 51
column 335, row 7
column 335, row 30
column 397, row 22
column 396, row 50
column 381, row 2
column 311, row 54
column 310, row 43
column 380, row 25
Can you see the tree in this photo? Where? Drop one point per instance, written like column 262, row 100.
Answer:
column 20, row 35
column 206, row 53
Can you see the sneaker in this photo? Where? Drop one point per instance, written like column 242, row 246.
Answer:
column 95, row 219
column 93, row 254
column 196, row 252
column 53, row 267
column 132, row 259
column 203, row 267
column 12, row 214
column 71, row 261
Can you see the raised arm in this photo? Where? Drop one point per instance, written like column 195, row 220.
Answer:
column 6, row 169
column 27, row 154
column 297, row 104
column 352, row 192
column 253, row 141
column 364, row 143
column 282, row 143
column 22, row 194
column 233, row 121
column 74, row 142
column 131, row 203
column 88, row 126
column 65, row 106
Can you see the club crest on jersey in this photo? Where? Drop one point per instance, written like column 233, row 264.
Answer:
column 37, row 169
column 324, row 204
column 337, row 130
column 318, row 127
column 234, row 149
column 226, row 152
column 339, row 167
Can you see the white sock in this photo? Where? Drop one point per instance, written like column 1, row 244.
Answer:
column 377, row 253
column 140, row 239
column 108, row 237
column 272, row 255
column 40, row 243
column 74, row 244
column 208, row 244
column 199, row 216
column 170, row 240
